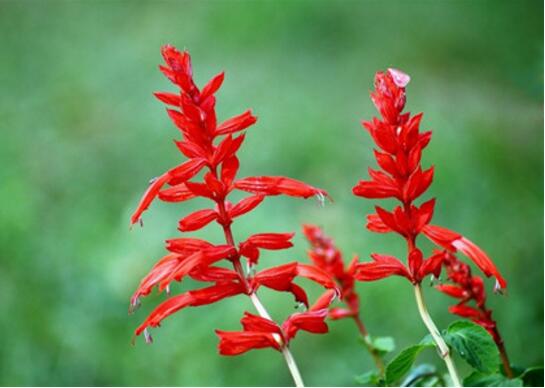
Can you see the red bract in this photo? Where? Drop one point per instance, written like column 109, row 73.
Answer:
column 213, row 147
column 403, row 178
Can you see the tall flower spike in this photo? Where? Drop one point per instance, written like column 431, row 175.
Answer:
column 325, row 255
column 469, row 290
column 402, row 177
column 212, row 148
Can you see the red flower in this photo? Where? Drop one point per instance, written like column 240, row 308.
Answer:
column 468, row 289
column 403, row 178
column 259, row 332
column 326, row 256
column 213, row 147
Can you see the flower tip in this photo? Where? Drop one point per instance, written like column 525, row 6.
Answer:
column 400, row 78
column 500, row 287
column 147, row 336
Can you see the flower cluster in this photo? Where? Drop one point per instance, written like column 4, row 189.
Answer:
column 212, row 148
column 402, row 177
column 468, row 288
column 325, row 255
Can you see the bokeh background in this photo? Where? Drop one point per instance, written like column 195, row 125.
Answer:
column 82, row 135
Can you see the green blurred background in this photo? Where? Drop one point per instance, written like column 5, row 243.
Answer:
column 82, row 135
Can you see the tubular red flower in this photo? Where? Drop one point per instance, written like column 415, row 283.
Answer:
column 398, row 137
column 213, row 148
column 275, row 185
column 454, row 242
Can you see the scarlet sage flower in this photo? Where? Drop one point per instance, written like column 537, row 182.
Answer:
column 211, row 149
column 401, row 177
column 471, row 295
column 325, row 255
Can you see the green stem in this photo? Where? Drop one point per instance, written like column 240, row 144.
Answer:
column 444, row 351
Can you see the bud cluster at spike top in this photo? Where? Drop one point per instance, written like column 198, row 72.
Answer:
column 212, row 147
column 400, row 144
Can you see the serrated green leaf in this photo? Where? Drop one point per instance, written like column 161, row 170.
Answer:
column 479, row 379
column 368, row 378
column 384, row 345
column 403, row 362
column 474, row 344
column 532, row 377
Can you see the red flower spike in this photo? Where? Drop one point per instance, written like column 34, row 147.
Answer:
column 469, row 290
column 214, row 148
column 402, row 177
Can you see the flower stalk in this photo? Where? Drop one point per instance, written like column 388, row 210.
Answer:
column 443, row 348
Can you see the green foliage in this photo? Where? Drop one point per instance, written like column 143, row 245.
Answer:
column 384, row 345
column 370, row 378
column 423, row 375
column 474, row 344
column 532, row 377
column 479, row 379
column 402, row 363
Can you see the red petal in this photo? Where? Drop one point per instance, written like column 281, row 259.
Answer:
column 237, row 123
column 168, row 98
column 246, row 205
column 177, row 193
column 340, row 313
column 311, row 321
column 251, row 322
column 186, row 246
column 191, row 150
column 233, row 343
column 186, row 170
column 275, row 185
column 424, row 215
column 191, row 298
column 465, row 311
column 160, row 271
column 386, row 162
column 212, row 86
column 375, row 224
column 213, row 274
column 149, row 196
column 229, row 170
column 381, row 267
column 227, row 148
column 455, row 242
column 197, row 220
column 451, row 290
column 432, row 265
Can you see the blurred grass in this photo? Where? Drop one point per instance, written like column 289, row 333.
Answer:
column 81, row 136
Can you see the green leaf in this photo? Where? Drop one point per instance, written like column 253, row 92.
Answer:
column 384, row 345
column 479, row 379
column 532, row 377
column 418, row 374
column 403, row 362
column 369, row 378
column 474, row 344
